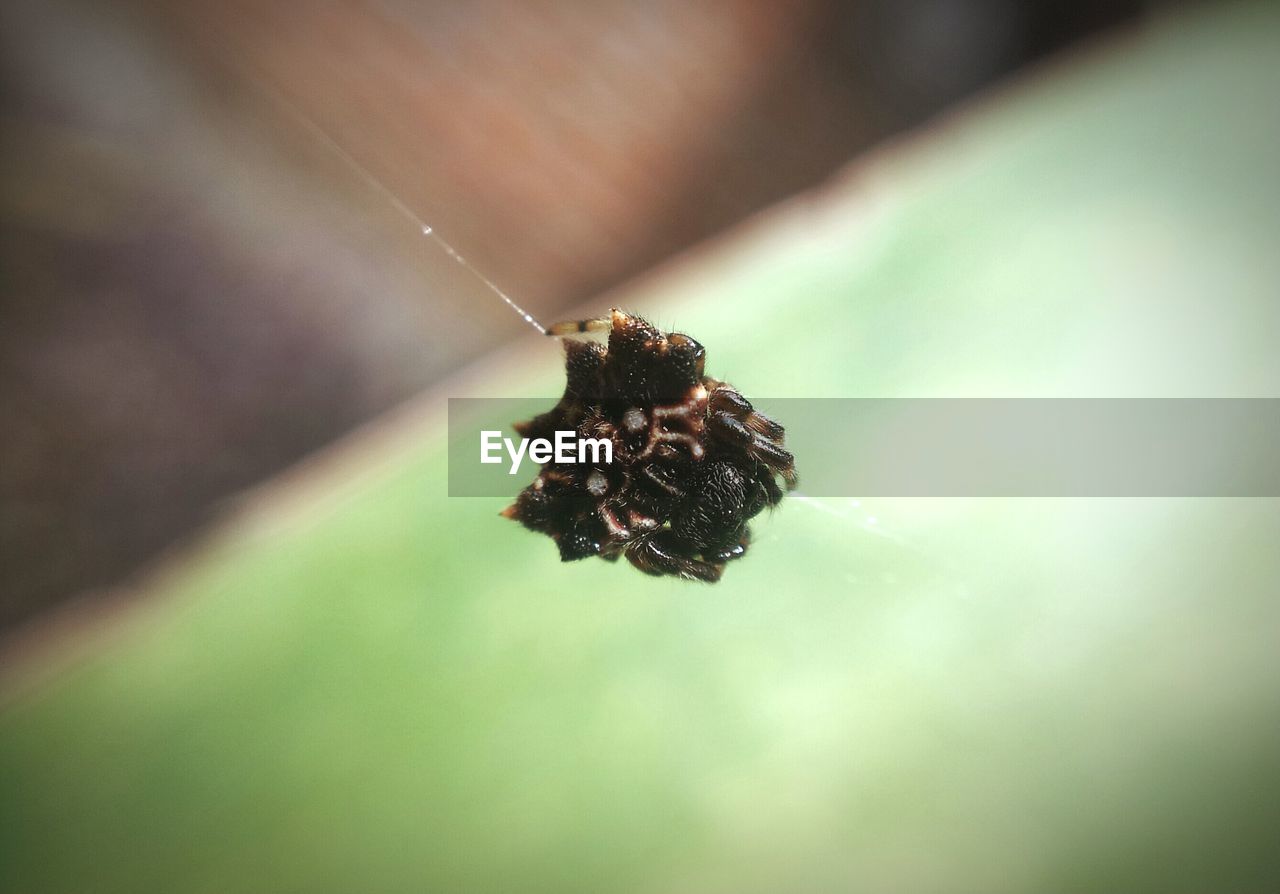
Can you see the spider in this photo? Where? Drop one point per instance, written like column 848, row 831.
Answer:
column 693, row 460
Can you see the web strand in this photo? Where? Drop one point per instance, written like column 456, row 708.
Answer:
column 394, row 200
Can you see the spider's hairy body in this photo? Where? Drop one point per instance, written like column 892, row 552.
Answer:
column 693, row 461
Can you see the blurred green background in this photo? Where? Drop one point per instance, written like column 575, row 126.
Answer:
column 359, row 684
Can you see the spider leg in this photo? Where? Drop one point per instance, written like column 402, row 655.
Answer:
column 660, row 554
column 733, row 417
column 655, row 491
column 616, row 321
column 773, row 493
column 732, row 430
column 759, row 422
column 725, row 399
column 574, row 327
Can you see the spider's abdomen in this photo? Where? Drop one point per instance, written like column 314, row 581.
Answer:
column 693, row 462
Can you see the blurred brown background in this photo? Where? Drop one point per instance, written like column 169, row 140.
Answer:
column 196, row 291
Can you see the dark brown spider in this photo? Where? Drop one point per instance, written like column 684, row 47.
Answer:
column 693, row 462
